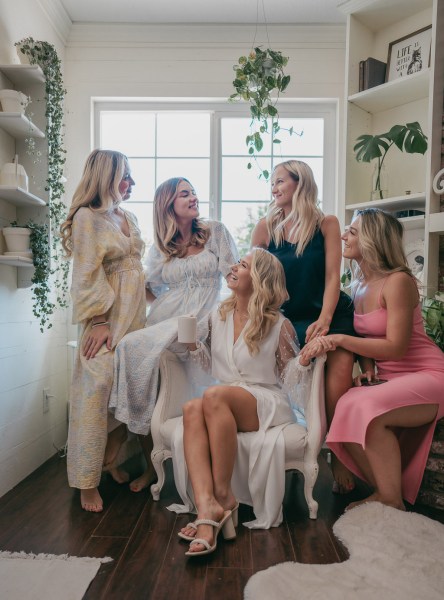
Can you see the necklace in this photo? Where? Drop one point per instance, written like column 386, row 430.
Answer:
column 242, row 315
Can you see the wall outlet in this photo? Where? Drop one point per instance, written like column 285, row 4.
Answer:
column 46, row 397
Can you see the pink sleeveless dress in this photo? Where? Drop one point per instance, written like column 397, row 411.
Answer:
column 418, row 378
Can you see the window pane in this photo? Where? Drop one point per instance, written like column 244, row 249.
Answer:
column 144, row 214
column 307, row 138
column 240, row 183
column 234, row 133
column 183, row 134
column 196, row 170
column 142, row 171
column 240, row 219
column 132, row 133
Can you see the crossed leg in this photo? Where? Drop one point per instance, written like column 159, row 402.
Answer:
column 211, row 424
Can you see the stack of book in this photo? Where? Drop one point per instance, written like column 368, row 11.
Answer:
column 371, row 73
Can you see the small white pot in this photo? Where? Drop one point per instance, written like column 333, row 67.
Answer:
column 13, row 101
column 14, row 175
column 17, row 238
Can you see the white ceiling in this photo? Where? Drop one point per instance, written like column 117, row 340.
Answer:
column 204, row 11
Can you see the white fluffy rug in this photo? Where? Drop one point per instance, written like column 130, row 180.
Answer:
column 393, row 555
column 46, row 576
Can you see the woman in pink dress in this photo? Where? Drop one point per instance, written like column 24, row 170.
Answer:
column 383, row 433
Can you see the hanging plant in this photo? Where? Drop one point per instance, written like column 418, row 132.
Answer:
column 40, row 248
column 45, row 55
column 257, row 76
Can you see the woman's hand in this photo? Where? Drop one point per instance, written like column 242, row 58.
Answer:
column 319, row 327
column 98, row 335
column 369, row 375
column 319, row 345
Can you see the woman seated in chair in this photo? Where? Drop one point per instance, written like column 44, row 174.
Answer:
column 383, row 433
column 249, row 348
column 184, row 272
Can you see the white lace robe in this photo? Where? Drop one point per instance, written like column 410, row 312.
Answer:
column 259, row 473
column 183, row 286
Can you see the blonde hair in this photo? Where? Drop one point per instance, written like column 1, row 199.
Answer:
column 269, row 293
column 305, row 216
column 380, row 243
column 165, row 222
column 98, row 188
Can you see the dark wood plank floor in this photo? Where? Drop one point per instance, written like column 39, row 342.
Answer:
column 42, row 514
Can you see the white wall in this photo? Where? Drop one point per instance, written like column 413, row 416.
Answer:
column 29, row 360
column 114, row 61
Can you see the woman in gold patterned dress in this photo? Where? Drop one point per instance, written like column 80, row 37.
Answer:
column 108, row 294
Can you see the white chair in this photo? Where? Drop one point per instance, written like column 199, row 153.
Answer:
column 302, row 445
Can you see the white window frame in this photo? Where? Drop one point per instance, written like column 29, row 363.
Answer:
column 288, row 108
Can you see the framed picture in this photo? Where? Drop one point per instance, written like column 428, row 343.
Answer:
column 409, row 54
column 414, row 252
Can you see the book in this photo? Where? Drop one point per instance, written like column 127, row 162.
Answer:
column 361, row 75
column 374, row 73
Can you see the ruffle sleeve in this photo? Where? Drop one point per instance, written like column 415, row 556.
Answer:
column 90, row 291
column 222, row 245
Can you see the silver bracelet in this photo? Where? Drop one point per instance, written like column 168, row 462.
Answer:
column 101, row 323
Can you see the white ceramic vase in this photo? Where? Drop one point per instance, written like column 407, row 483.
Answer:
column 17, row 239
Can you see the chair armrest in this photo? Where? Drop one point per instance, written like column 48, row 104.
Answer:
column 315, row 415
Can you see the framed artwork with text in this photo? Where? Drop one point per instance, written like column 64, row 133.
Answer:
column 410, row 54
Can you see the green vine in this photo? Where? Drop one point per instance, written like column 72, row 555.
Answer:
column 45, row 55
column 256, row 77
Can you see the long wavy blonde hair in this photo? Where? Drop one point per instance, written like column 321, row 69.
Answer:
column 305, row 216
column 268, row 295
column 380, row 243
column 165, row 223
column 98, row 188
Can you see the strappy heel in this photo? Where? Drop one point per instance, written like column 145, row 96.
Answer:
column 225, row 525
column 192, row 525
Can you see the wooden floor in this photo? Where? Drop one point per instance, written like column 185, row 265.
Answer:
column 42, row 514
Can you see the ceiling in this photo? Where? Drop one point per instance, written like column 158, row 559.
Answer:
column 204, row 11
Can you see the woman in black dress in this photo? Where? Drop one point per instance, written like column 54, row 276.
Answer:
column 308, row 244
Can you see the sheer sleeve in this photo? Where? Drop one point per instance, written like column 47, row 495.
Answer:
column 90, row 291
column 295, row 378
column 222, row 245
column 153, row 271
column 201, row 357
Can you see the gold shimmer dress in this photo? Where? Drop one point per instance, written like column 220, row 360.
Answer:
column 107, row 279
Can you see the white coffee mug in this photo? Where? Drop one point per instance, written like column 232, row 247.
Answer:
column 187, row 329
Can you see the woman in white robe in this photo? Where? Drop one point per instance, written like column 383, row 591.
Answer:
column 249, row 346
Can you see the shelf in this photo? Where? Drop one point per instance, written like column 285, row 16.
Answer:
column 436, row 223
column 394, row 203
column 16, row 261
column 21, row 75
column 19, row 126
column 393, row 93
column 19, row 196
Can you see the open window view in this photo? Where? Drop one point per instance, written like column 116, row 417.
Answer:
column 164, row 144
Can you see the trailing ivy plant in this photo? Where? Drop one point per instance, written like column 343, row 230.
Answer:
column 45, row 55
column 41, row 257
column 257, row 76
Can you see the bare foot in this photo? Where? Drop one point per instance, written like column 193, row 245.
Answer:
column 91, row 500
column 213, row 511
column 144, row 481
column 344, row 481
column 115, row 440
column 376, row 497
column 119, row 475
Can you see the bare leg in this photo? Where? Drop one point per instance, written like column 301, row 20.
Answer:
column 210, row 449
column 383, row 452
column 338, row 380
column 149, row 475
column 90, row 500
column 116, row 438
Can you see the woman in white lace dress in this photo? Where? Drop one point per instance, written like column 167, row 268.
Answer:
column 249, row 348
column 184, row 271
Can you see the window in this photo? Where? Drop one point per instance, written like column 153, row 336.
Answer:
column 205, row 142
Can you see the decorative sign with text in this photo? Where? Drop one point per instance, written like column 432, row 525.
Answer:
column 409, row 54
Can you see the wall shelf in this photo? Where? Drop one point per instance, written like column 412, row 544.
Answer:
column 21, row 75
column 19, row 196
column 16, row 261
column 393, row 93
column 394, row 203
column 416, row 222
column 19, row 126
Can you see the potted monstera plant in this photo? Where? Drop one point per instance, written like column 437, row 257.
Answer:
column 407, row 138
column 259, row 80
